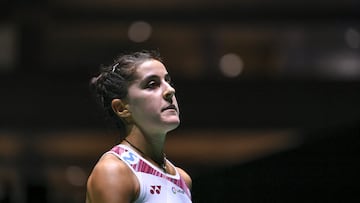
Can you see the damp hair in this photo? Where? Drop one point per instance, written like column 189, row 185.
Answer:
column 113, row 81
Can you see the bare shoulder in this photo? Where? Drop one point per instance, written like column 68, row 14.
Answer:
column 111, row 181
column 185, row 176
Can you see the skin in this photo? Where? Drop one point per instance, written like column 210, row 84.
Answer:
column 111, row 180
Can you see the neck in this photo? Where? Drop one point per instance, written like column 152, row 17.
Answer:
column 161, row 162
column 149, row 146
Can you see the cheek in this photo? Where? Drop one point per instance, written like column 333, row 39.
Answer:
column 144, row 107
column 148, row 107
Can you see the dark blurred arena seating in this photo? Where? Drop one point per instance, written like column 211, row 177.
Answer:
column 268, row 93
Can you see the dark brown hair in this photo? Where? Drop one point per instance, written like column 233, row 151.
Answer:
column 114, row 80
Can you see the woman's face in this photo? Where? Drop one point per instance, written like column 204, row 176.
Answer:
column 151, row 99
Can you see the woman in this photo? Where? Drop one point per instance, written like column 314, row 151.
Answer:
column 136, row 91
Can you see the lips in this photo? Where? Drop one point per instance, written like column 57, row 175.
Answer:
column 171, row 106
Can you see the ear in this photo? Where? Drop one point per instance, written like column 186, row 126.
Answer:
column 120, row 108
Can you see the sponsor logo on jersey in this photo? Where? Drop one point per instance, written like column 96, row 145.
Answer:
column 155, row 189
column 130, row 157
column 174, row 190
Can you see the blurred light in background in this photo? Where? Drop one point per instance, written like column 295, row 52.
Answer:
column 344, row 65
column 229, row 147
column 7, row 47
column 231, row 65
column 352, row 38
column 139, row 31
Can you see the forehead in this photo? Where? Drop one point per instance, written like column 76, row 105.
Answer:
column 150, row 68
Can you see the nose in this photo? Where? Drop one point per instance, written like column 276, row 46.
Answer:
column 169, row 93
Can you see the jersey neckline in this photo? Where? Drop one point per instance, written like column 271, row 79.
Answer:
column 176, row 175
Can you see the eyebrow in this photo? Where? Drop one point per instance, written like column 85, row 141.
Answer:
column 167, row 76
column 150, row 77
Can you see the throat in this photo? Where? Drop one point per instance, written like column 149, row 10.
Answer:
column 161, row 161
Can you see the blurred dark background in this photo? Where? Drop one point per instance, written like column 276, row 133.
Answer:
column 268, row 93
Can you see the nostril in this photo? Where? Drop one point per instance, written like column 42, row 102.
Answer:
column 168, row 97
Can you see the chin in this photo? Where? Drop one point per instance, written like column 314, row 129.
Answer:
column 172, row 125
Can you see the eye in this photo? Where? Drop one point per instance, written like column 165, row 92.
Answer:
column 152, row 84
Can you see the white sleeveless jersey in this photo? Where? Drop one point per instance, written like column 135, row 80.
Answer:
column 155, row 185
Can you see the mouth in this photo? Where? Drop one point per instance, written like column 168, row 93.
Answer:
column 171, row 106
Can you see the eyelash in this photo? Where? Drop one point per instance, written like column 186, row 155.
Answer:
column 152, row 84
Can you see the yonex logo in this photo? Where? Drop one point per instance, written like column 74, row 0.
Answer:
column 155, row 189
